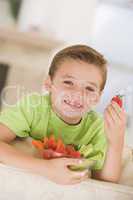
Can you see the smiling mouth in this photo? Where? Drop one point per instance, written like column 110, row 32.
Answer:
column 75, row 106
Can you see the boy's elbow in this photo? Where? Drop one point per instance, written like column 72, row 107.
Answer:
column 6, row 135
column 110, row 179
column 107, row 177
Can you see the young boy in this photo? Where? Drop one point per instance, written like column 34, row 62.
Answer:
column 76, row 80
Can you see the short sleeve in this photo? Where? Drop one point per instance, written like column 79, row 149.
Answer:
column 99, row 152
column 19, row 117
column 97, row 147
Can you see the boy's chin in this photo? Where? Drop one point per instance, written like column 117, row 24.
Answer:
column 72, row 115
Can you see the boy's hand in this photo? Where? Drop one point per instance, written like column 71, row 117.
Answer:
column 115, row 125
column 59, row 172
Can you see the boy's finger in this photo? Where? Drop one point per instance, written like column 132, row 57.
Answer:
column 76, row 181
column 111, row 113
column 116, row 106
column 114, row 112
column 81, row 176
column 120, row 111
column 108, row 119
column 71, row 161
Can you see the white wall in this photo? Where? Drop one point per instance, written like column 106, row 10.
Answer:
column 107, row 27
column 118, row 82
column 113, row 33
column 74, row 19
column 67, row 20
column 35, row 13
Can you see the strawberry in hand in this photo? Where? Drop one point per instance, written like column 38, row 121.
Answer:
column 118, row 100
column 115, row 123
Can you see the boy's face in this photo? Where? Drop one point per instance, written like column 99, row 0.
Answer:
column 74, row 90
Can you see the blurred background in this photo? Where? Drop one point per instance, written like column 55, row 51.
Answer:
column 32, row 31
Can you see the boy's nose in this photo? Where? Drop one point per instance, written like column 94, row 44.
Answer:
column 77, row 101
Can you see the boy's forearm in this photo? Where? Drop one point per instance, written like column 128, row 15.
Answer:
column 112, row 166
column 11, row 156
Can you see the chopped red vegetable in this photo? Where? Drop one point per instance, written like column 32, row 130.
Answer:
column 52, row 148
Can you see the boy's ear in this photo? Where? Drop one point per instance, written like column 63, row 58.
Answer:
column 48, row 83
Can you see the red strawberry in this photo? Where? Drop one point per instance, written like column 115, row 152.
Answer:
column 118, row 100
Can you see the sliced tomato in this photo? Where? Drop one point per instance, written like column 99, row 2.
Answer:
column 69, row 149
column 50, row 154
column 52, row 142
column 60, row 146
column 72, row 152
column 75, row 154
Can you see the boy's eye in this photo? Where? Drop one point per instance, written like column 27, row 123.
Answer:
column 68, row 82
column 90, row 89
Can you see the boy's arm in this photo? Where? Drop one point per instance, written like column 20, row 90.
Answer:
column 11, row 156
column 112, row 167
column 55, row 169
column 115, row 125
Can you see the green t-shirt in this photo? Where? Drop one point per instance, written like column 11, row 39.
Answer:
column 33, row 116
